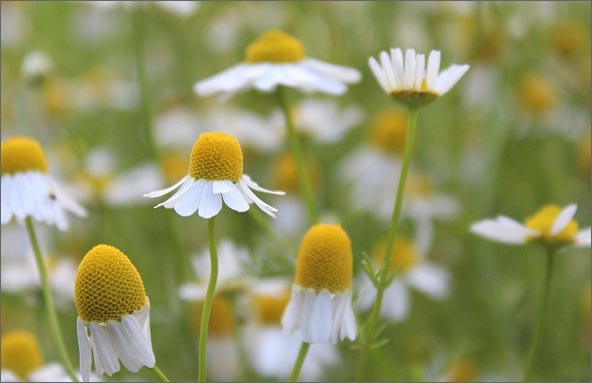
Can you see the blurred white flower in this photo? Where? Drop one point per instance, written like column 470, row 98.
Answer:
column 180, row 8
column 177, row 128
column 36, row 66
column 412, row 272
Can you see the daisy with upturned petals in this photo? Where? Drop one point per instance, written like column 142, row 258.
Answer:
column 412, row 272
column 551, row 225
column 215, row 175
column 409, row 81
column 113, row 314
column 278, row 59
column 320, row 307
column 26, row 188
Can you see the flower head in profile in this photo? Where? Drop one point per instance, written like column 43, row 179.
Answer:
column 320, row 304
column 215, row 175
column 28, row 190
column 113, row 322
column 551, row 225
column 410, row 81
column 278, row 59
column 22, row 360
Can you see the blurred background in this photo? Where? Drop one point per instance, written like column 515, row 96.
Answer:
column 106, row 87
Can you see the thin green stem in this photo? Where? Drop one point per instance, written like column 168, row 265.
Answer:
column 159, row 374
column 207, row 305
column 542, row 314
column 373, row 319
column 303, row 180
column 54, row 327
column 299, row 361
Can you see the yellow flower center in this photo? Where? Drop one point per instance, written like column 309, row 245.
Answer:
column 418, row 186
column 271, row 308
column 537, row 94
column 107, row 285
column 389, row 131
column 276, row 47
column 20, row 353
column 174, row 166
column 543, row 220
column 222, row 322
column 569, row 38
column 403, row 256
column 285, row 173
column 22, row 154
column 216, row 156
column 325, row 259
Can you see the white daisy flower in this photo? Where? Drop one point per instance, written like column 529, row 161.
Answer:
column 272, row 352
column 113, row 322
column 278, row 59
column 412, row 272
column 179, row 8
column 26, row 188
column 215, row 175
column 22, row 360
column 320, row 308
column 36, row 66
column 409, row 81
column 232, row 260
column 550, row 225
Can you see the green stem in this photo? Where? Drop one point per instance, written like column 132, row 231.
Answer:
column 54, row 327
column 542, row 314
column 159, row 374
column 207, row 305
column 303, row 180
column 373, row 319
column 299, row 361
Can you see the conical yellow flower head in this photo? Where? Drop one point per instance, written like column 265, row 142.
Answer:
column 275, row 46
column 285, row 173
column 271, row 308
column 325, row 260
column 543, row 221
column 222, row 321
column 20, row 353
column 389, row 131
column 22, row 154
column 403, row 256
column 216, row 156
column 107, row 285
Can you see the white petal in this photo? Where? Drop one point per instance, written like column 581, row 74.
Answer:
column 433, row 68
column 15, row 199
column 449, row 77
column 398, row 67
column 291, row 319
column 84, row 350
column 386, row 65
column 160, row 193
column 230, row 80
column 563, row 218
column 379, row 74
column 308, row 305
column 235, row 200
column 419, row 72
column 321, row 318
column 269, row 210
column 210, row 203
column 583, row 238
column 122, row 347
column 409, row 69
column 349, row 319
column 430, row 279
column 172, row 200
column 105, row 357
column 192, row 292
column 220, row 187
column 5, row 192
column 396, row 301
column 337, row 72
column 501, row 231
column 137, row 342
column 253, row 185
column 189, row 201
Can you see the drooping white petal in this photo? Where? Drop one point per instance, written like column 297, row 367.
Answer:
column 210, row 204
column 563, row 218
column 172, row 200
column 308, row 305
column 583, row 238
column 338, row 72
column 255, row 186
column 138, row 345
column 449, row 77
column 269, row 210
column 5, row 192
column 235, row 200
column 321, row 320
column 291, row 319
column 430, row 279
column 105, row 356
column 121, row 346
column 189, row 201
column 220, row 187
column 349, row 319
column 84, row 350
column 160, row 193
column 433, row 68
column 501, row 231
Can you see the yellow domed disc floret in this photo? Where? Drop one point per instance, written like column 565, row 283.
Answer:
column 271, row 308
column 389, row 131
column 107, row 285
column 403, row 256
column 222, row 321
column 543, row 220
column 325, row 260
column 22, row 154
column 216, row 156
column 276, row 47
column 20, row 353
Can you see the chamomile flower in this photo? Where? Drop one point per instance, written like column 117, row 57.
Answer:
column 36, row 67
column 215, row 175
column 113, row 322
column 413, row 271
column 232, row 260
column 22, row 360
column 278, row 59
column 320, row 305
column 272, row 352
column 27, row 189
column 410, row 81
column 551, row 225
